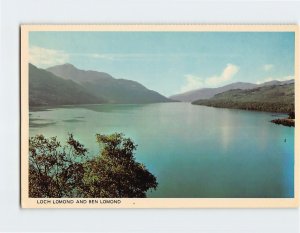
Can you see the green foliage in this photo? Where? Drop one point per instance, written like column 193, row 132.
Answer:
column 56, row 171
column 115, row 173
column 280, row 98
column 53, row 169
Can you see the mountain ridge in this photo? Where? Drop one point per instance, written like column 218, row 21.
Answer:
column 269, row 98
column 207, row 93
column 104, row 87
column 46, row 89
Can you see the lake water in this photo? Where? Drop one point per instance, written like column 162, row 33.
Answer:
column 194, row 151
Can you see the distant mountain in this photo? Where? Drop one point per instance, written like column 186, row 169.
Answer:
column 104, row 86
column 46, row 88
column 68, row 71
column 276, row 82
column 207, row 93
column 269, row 98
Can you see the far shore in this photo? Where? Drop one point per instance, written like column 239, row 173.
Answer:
column 284, row 121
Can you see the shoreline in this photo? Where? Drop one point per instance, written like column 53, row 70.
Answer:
column 284, row 121
column 288, row 121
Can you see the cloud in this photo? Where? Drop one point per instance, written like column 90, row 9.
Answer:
column 43, row 57
column 194, row 82
column 133, row 56
column 268, row 67
column 147, row 56
column 226, row 75
column 268, row 79
column 105, row 56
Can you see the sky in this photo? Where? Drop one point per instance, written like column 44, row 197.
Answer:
column 171, row 62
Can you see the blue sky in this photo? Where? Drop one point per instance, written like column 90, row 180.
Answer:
column 171, row 62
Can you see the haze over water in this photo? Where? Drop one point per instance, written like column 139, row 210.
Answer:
column 194, row 151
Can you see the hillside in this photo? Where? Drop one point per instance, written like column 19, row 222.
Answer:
column 47, row 89
column 104, row 86
column 276, row 98
column 207, row 93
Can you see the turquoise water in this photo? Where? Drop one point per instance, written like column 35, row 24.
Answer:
column 194, row 151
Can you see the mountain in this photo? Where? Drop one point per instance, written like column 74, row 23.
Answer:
column 68, row 71
column 104, row 86
column 207, row 93
column 276, row 82
column 275, row 98
column 46, row 88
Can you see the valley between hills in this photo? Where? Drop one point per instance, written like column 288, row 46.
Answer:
column 68, row 85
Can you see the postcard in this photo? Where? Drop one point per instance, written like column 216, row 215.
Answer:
column 159, row 116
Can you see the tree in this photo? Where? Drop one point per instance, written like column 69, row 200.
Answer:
column 115, row 173
column 56, row 171
column 291, row 115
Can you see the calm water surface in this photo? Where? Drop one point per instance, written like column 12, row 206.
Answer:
column 194, row 151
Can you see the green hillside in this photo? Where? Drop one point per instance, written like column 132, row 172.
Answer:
column 280, row 98
column 103, row 85
column 47, row 89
